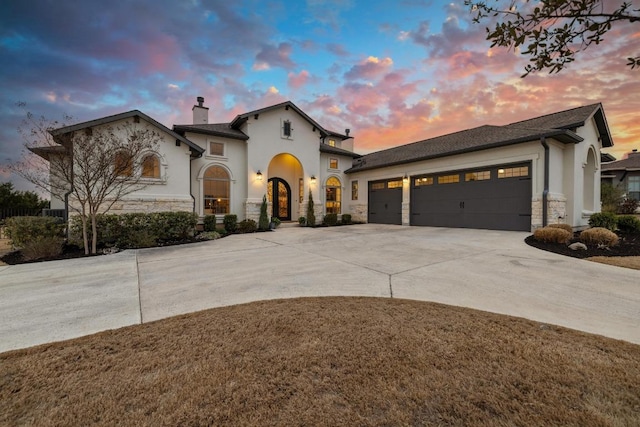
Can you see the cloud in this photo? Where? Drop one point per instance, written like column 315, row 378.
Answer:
column 296, row 81
column 370, row 68
column 274, row 56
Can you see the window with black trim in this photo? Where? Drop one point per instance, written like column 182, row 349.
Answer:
column 286, row 129
column 216, row 190
column 448, row 179
column 216, row 148
column 333, row 192
column 477, row 176
column 513, row 172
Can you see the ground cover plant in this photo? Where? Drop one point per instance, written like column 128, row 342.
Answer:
column 327, row 361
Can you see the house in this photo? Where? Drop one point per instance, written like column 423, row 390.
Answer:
column 514, row 177
column 624, row 174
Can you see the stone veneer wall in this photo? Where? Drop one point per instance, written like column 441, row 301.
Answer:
column 556, row 210
column 359, row 213
column 148, row 205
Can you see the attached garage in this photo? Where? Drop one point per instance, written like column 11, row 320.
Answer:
column 385, row 201
column 495, row 198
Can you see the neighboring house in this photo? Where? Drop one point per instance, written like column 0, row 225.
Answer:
column 514, row 177
column 624, row 174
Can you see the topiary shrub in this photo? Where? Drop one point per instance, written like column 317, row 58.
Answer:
column 628, row 206
column 23, row 230
column 552, row 235
column 603, row 220
column 330, row 219
column 230, row 222
column 275, row 221
column 562, row 226
column 302, row 220
column 263, row 221
column 209, row 223
column 311, row 216
column 628, row 224
column 247, row 226
column 346, row 219
column 599, row 236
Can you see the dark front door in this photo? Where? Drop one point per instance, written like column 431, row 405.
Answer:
column 279, row 193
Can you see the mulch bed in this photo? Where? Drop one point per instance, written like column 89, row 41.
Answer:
column 629, row 245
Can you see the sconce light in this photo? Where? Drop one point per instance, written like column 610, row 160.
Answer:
column 313, row 179
column 259, row 175
column 405, row 178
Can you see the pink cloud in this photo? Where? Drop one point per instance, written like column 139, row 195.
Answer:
column 370, row 68
column 296, row 81
column 274, row 56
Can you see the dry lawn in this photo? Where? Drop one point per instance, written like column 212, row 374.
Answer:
column 326, row 361
column 619, row 261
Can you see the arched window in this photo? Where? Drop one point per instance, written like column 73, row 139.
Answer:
column 122, row 164
column 589, row 182
column 216, row 191
column 151, row 166
column 333, row 191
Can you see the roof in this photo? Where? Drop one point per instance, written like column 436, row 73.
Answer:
column 606, row 157
column 560, row 126
column 195, row 149
column 632, row 162
column 216, row 129
column 45, row 152
column 241, row 118
column 325, row 148
column 480, row 138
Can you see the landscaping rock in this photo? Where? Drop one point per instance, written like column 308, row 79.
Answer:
column 577, row 246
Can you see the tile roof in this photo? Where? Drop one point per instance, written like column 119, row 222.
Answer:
column 558, row 125
column 217, row 129
column 324, row 148
column 630, row 163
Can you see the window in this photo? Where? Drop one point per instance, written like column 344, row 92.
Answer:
column 633, row 187
column 300, row 189
column 425, row 180
column 286, row 129
column 513, row 172
column 216, row 191
column 332, row 143
column 449, row 179
column 151, row 166
column 378, row 186
column 354, row 190
column 333, row 195
column 394, row 184
column 477, row 176
column 122, row 164
column 333, row 163
column 216, row 148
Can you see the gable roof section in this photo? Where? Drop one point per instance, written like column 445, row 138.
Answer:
column 216, row 129
column 241, row 118
column 324, row 148
column 476, row 139
column 572, row 119
column 196, row 151
column 631, row 163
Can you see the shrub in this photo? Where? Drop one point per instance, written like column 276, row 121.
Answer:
column 263, row 221
column 44, row 247
column 330, row 219
column 208, row 235
column 209, row 223
column 599, row 236
column 302, row 220
column 346, row 218
column 23, row 230
column 611, row 197
column 230, row 222
column 562, row 226
column 603, row 220
column 276, row 221
column 247, row 226
column 552, row 235
column 311, row 216
column 628, row 206
column 628, row 224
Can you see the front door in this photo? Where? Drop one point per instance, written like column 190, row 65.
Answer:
column 279, row 194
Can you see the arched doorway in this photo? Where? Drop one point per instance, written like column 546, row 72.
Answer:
column 279, row 194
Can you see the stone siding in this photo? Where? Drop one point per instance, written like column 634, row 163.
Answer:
column 556, row 211
column 359, row 212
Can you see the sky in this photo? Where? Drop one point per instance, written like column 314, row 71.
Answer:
column 393, row 72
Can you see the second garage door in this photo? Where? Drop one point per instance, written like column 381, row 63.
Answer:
column 495, row 198
column 385, row 202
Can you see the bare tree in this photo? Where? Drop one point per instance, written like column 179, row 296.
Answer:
column 89, row 167
column 552, row 31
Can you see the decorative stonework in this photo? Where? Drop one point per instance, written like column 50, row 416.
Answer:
column 406, row 211
column 359, row 212
column 556, row 210
column 149, row 205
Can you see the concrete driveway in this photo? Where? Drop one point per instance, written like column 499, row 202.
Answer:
column 487, row 270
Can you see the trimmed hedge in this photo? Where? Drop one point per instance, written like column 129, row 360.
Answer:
column 138, row 230
column 628, row 224
column 603, row 220
column 230, row 222
column 552, row 235
column 346, row 218
column 23, row 230
column 330, row 219
column 209, row 223
column 247, row 226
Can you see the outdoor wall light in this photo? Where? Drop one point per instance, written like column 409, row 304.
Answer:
column 405, row 178
column 313, row 179
column 259, row 175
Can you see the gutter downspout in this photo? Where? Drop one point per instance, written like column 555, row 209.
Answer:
column 545, row 191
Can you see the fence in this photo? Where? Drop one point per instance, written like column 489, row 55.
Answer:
column 7, row 213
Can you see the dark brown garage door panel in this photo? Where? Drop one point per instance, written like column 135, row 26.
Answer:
column 499, row 199
column 385, row 202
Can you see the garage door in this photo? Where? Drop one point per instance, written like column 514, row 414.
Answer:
column 385, row 201
column 495, row 198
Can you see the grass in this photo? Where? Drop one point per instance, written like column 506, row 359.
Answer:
column 632, row 262
column 326, row 361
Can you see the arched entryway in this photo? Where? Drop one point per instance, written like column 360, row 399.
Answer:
column 285, row 187
column 279, row 194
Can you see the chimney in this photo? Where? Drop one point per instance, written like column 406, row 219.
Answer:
column 200, row 112
column 633, row 152
column 347, row 131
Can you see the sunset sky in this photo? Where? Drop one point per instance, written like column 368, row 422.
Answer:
column 392, row 72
